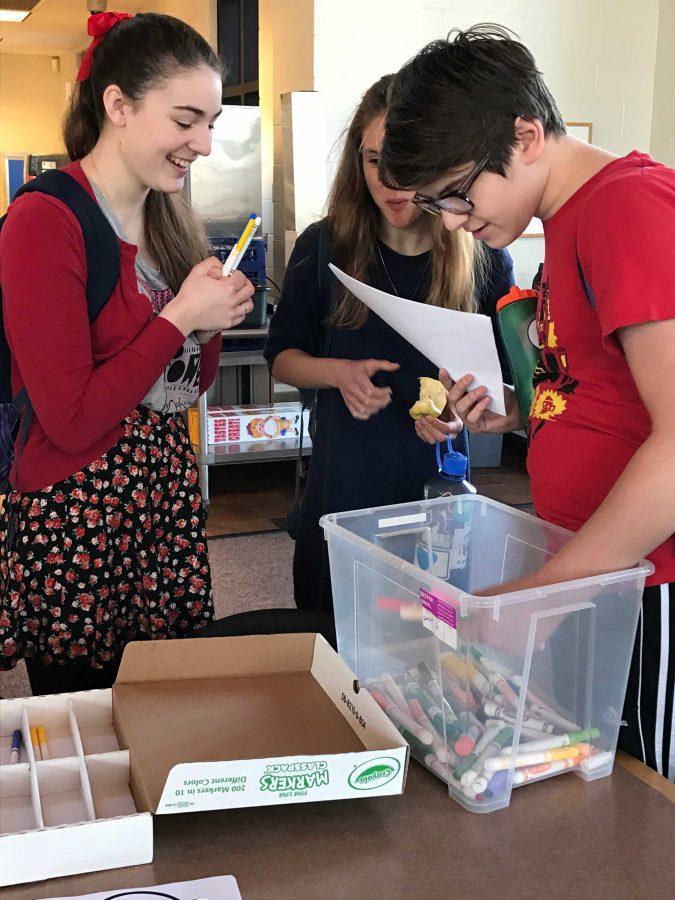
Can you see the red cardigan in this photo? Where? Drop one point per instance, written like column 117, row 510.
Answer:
column 82, row 379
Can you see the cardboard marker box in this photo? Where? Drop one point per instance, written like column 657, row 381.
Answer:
column 221, row 723
column 208, row 723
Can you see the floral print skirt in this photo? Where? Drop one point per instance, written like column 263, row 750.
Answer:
column 116, row 552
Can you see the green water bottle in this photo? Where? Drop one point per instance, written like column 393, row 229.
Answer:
column 516, row 314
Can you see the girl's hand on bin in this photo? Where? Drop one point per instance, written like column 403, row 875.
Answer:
column 362, row 398
column 472, row 408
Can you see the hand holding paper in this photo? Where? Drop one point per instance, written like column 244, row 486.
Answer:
column 457, row 341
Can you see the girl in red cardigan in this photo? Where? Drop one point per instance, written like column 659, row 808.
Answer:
column 109, row 540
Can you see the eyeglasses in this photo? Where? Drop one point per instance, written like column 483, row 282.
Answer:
column 455, row 201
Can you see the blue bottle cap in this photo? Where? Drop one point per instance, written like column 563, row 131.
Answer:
column 453, row 466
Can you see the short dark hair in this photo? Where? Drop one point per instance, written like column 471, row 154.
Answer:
column 456, row 102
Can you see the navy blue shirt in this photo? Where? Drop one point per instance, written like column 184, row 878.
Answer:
column 358, row 464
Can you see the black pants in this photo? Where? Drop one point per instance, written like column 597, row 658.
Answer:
column 649, row 732
column 81, row 676
column 273, row 621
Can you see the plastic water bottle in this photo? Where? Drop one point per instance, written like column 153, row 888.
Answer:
column 444, row 550
column 516, row 314
column 451, row 479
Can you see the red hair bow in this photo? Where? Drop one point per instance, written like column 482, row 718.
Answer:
column 98, row 26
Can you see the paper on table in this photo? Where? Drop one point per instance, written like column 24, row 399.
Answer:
column 457, row 341
column 222, row 888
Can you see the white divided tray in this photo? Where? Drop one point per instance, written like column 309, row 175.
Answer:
column 73, row 812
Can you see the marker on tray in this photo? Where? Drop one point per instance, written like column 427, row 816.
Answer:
column 35, row 742
column 42, row 740
column 16, row 746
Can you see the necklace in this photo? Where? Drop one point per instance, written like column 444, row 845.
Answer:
column 393, row 286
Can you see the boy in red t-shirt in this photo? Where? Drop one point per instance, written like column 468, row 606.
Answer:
column 473, row 128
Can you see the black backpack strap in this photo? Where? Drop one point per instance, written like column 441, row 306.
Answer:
column 100, row 240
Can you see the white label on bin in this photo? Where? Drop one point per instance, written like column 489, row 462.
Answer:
column 439, row 617
column 402, row 520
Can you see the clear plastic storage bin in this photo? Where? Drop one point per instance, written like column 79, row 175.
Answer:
column 490, row 692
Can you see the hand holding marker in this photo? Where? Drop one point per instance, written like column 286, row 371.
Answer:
column 230, row 265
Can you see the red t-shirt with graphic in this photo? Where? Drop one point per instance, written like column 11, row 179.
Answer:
column 587, row 419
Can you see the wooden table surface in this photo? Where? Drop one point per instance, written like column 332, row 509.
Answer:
column 561, row 838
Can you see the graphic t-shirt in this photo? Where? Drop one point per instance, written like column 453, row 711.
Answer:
column 587, row 419
column 178, row 386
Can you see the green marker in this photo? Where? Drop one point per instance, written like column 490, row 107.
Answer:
column 557, row 740
column 492, row 747
column 414, row 692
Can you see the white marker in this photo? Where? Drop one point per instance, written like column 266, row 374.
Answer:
column 546, row 713
column 531, row 759
column 598, row 761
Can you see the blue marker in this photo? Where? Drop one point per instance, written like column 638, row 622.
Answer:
column 497, row 784
column 16, row 746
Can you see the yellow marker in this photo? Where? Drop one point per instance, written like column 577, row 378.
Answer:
column 35, row 742
column 240, row 247
column 42, row 738
column 457, row 667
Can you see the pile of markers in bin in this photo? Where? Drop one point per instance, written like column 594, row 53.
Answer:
column 475, row 708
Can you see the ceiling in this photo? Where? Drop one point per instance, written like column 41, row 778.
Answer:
column 54, row 26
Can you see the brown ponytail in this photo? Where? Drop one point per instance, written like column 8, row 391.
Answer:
column 139, row 54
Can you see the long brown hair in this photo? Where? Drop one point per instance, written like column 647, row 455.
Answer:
column 354, row 222
column 138, row 54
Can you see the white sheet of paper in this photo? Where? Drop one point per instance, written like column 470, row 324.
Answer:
column 457, row 341
column 221, row 888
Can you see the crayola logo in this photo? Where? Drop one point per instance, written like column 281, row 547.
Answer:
column 374, row 774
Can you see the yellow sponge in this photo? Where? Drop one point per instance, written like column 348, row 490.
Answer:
column 432, row 399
